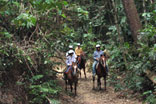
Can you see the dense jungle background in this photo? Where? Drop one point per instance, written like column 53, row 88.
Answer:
column 35, row 32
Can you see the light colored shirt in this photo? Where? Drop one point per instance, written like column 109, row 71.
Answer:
column 70, row 59
column 97, row 54
column 78, row 51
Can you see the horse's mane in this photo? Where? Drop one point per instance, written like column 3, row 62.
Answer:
column 101, row 62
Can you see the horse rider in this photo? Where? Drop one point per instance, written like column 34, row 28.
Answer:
column 78, row 52
column 96, row 56
column 70, row 59
column 71, row 48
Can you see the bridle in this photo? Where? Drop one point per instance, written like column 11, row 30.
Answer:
column 74, row 68
column 102, row 61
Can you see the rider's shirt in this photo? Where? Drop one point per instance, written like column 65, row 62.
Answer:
column 97, row 54
column 78, row 51
column 70, row 59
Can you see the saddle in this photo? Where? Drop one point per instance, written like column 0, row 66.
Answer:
column 67, row 71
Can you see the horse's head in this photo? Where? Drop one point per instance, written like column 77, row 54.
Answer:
column 75, row 68
column 79, row 59
column 102, row 60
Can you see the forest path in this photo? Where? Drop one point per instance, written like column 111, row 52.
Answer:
column 85, row 94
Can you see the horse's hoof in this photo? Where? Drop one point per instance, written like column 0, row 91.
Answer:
column 99, row 88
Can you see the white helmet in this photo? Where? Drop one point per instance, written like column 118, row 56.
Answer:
column 78, row 44
column 97, row 45
column 70, row 46
column 71, row 51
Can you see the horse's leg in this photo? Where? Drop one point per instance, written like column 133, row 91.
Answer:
column 75, row 88
column 80, row 73
column 93, row 82
column 66, row 85
column 105, row 82
column 84, row 69
column 71, row 87
column 99, row 83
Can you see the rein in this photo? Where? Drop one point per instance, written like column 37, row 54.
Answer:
column 75, row 68
column 102, row 61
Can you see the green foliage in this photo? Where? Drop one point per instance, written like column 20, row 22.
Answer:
column 26, row 47
column 130, row 63
column 82, row 14
column 41, row 91
column 150, row 97
column 34, row 31
column 25, row 20
column 147, row 48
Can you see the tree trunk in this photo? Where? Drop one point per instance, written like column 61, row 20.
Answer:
column 132, row 17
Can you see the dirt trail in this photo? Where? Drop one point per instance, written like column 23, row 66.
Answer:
column 85, row 94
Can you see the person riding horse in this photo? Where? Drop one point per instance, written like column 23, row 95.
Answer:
column 78, row 52
column 70, row 48
column 70, row 59
column 97, row 54
column 69, row 53
column 81, row 61
column 99, row 67
column 71, row 74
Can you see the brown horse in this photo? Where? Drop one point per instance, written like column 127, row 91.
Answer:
column 72, row 77
column 101, row 72
column 81, row 62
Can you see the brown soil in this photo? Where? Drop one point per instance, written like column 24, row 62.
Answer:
column 85, row 94
column 11, row 92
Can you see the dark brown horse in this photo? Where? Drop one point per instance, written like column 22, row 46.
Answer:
column 71, row 77
column 100, row 72
column 81, row 62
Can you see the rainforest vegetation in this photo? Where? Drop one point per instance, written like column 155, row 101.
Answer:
column 32, row 32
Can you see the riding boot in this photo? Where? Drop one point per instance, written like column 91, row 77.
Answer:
column 94, row 74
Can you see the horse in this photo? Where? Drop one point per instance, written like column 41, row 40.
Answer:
column 72, row 77
column 101, row 72
column 81, row 62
